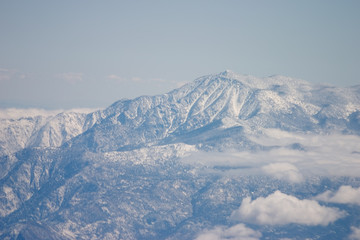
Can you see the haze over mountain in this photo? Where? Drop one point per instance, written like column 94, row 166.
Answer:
column 203, row 160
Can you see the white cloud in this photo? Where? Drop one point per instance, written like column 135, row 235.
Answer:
column 345, row 194
column 5, row 74
column 122, row 79
column 355, row 235
column 115, row 77
column 285, row 171
column 322, row 155
column 237, row 232
column 71, row 77
column 280, row 209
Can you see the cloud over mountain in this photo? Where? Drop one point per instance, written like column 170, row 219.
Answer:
column 236, row 232
column 345, row 195
column 279, row 209
column 284, row 171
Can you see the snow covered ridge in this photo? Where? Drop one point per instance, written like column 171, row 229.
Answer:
column 207, row 106
column 20, row 128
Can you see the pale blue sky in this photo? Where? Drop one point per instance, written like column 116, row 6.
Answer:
column 81, row 53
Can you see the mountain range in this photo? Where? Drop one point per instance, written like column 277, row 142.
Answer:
column 182, row 164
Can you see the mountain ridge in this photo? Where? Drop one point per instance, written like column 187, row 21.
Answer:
column 225, row 99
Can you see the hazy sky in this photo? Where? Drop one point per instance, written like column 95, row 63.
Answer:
column 82, row 53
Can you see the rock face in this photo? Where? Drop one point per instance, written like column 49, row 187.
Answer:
column 120, row 173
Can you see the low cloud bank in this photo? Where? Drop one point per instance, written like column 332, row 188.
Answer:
column 345, row 195
column 293, row 157
column 237, row 232
column 280, row 209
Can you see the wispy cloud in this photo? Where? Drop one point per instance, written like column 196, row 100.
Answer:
column 355, row 234
column 345, row 195
column 6, row 74
column 237, row 232
column 71, row 77
column 123, row 79
column 115, row 77
column 280, row 209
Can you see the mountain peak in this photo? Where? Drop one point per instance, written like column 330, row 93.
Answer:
column 227, row 72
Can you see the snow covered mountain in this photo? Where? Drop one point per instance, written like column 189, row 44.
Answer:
column 203, row 110
column 184, row 164
column 208, row 109
column 43, row 130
